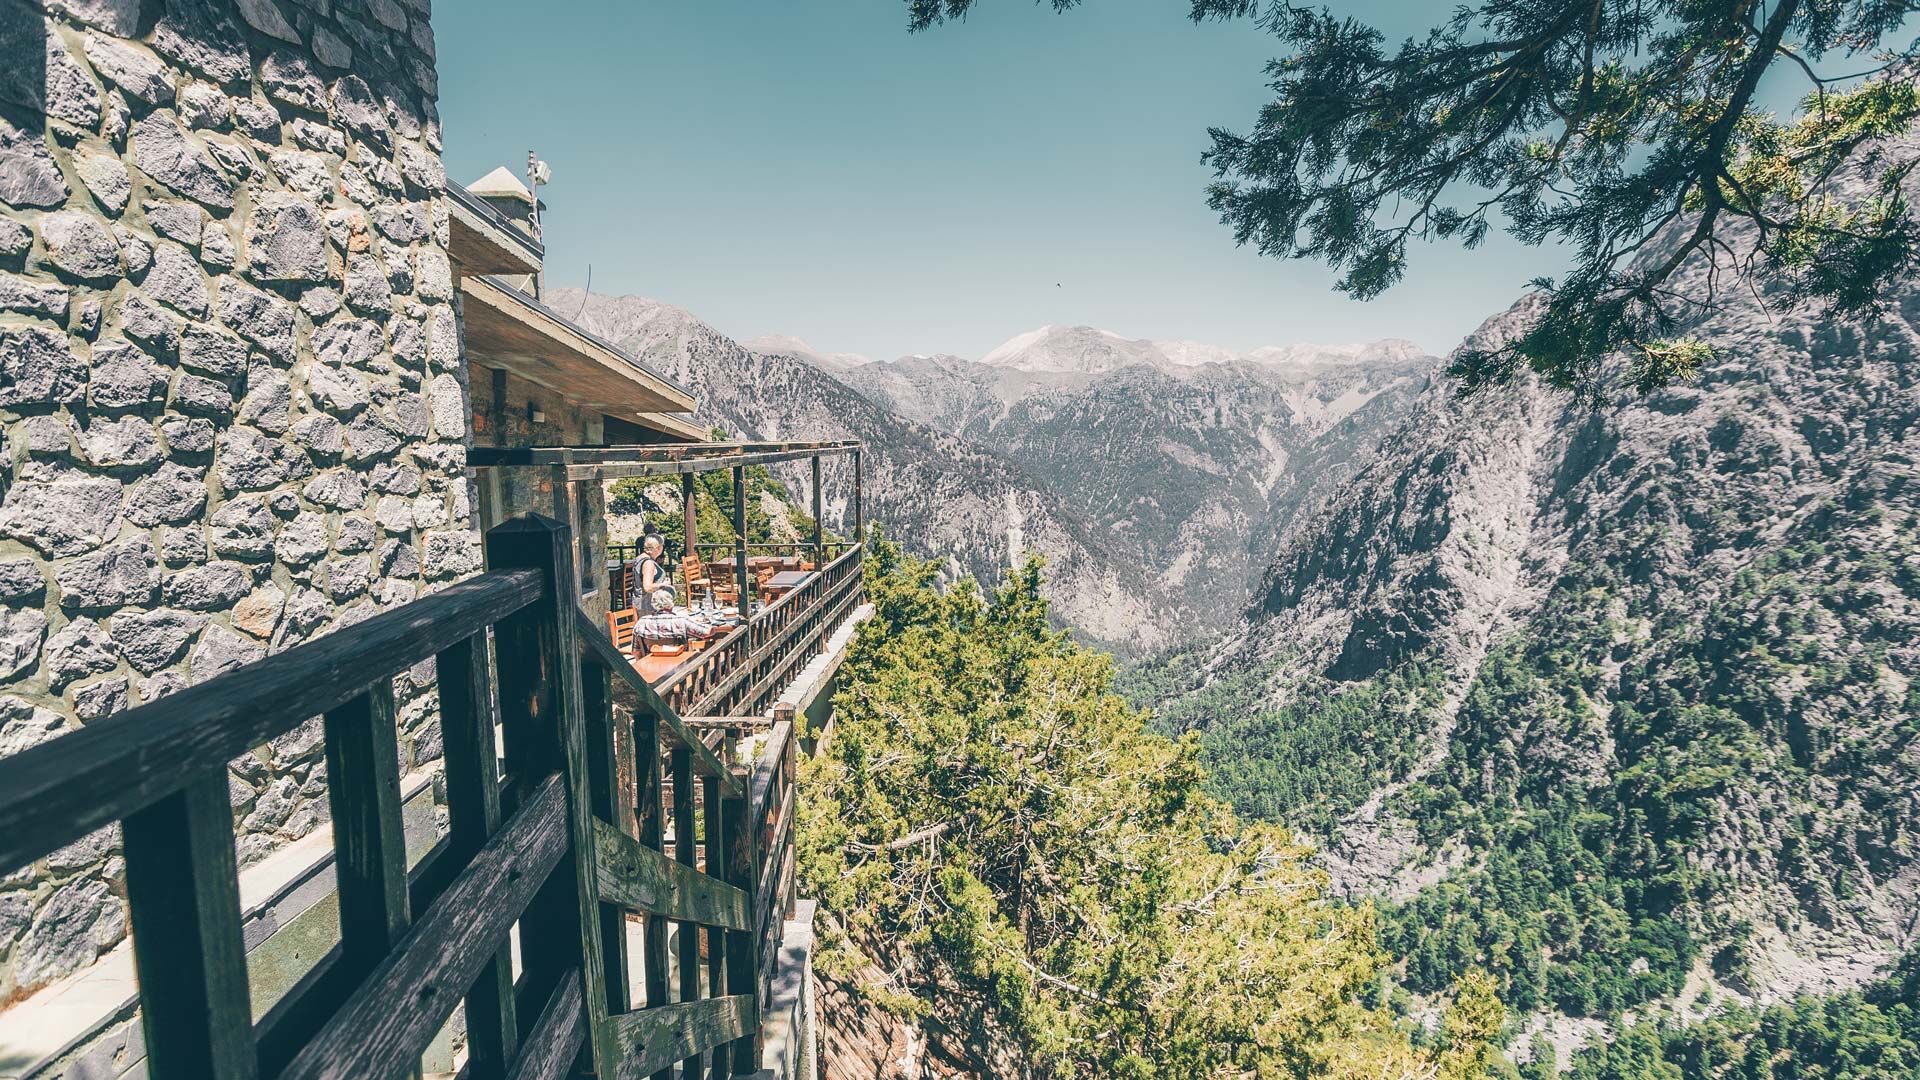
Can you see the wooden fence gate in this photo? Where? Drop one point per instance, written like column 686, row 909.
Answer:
column 550, row 841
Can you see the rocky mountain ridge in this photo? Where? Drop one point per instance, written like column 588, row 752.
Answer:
column 934, row 491
column 1652, row 667
column 1191, row 471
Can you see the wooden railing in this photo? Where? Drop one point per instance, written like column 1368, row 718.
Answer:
column 742, row 673
column 563, row 848
column 619, row 556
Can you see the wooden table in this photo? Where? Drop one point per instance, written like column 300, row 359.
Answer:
column 785, row 582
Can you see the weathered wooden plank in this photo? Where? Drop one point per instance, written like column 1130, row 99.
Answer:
column 653, row 1039
column 383, row 1030
column 183, row 892
column 464, row 674
column 650, row 816
column 721, row 1064
column 740, row 541
column 684, row 853
column 595, row 638
column 719, row 455
column 743, row 966
column 637, row 877
column 554, row 1042
column 63, row 789
column 540, row 710
column 607, row 796
column 300, row 1013
column 369, row 844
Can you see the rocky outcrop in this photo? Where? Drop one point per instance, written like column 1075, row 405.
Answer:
column 189, row 192
column 1683, row 624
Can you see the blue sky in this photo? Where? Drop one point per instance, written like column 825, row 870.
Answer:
column 807, row 167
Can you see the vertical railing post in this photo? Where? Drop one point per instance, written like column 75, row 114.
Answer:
column 819, row 504
column 743, row 962
column 688, row 959
column 183, row 895
column 859, row 499
column 740, row 540
column 651, row 811
column 606, row 795
column 544, row 733
column 464, row 674
column 714, row 848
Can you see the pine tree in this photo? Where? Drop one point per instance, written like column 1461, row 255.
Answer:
column 1625, row 130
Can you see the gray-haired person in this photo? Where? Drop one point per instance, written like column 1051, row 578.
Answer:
column 650, row 575
column 664, row 624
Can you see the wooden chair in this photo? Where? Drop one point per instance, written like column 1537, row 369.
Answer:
column 700, row 579
column 620, row 626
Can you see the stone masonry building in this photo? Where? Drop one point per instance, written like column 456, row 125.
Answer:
column 231, row 389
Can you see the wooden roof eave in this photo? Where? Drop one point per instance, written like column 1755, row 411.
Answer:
column 480, row 241
column 504, row 328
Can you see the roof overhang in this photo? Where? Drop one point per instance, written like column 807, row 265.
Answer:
column 680, row 427
column 483, row 241
column 505, row 328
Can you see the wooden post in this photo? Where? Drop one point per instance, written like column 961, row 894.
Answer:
column 740, row 540
column 540, row 711
column 683, row 851
column 363, row 790
column 689, row 516
column 183, row 894
column 859, row 499
column 743, row 962
column 715, row 852
column 819, row 544
column 464, row 674
column 607, row 796
column 652, row 819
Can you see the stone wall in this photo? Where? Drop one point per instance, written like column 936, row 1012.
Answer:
column 224, row 286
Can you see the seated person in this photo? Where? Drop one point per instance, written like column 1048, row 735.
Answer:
column 664, row 625
column 650, row 575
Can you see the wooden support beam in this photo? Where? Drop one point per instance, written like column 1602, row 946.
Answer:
column 540, row 709
column 710, row 845
column 743, row 964
column 740, row 543
column 859, row 498
column 554, row 1042
column 819, row 538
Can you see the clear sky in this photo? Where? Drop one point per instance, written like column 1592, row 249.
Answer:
column 808, row 167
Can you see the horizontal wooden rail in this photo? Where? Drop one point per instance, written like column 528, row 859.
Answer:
column 654, row 1039
column 59, row 791
column 644, row 880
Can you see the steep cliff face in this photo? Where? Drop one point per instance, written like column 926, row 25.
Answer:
column 1665, row 735
column 934, row 491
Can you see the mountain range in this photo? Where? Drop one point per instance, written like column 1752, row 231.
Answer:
column 1150, row 489
column 1618, row 703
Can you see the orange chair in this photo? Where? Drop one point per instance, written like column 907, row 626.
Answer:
column 620, row 626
